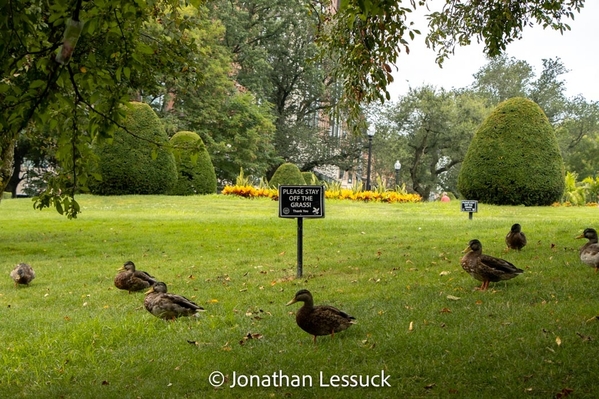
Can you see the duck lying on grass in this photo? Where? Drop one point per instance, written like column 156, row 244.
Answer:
column 515, row 239
column 133, row 280
column 319, row 320
column 169, row 306
column 486, row 268
column 22, row 274
column 589, row 252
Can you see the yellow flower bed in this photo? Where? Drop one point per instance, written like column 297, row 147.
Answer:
column 367, row 196
column 251, row 192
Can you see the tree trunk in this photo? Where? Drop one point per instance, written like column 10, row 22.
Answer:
column 15, row 179
column 7, row 150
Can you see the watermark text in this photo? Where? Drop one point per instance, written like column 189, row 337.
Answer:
column 282, row 379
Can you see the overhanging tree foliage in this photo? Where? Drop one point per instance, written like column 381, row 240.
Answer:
column 357, row 35
column 68, row 66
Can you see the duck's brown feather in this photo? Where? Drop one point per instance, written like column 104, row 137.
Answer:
column 169, row 306
column 323, row 320
column 22, row 274
column 319, row 320
column 133, row 280
column 487, row 268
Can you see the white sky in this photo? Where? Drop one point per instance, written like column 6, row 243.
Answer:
column 577, row 49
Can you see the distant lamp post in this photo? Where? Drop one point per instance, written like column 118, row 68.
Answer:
column 370, row 134
column 397, row 167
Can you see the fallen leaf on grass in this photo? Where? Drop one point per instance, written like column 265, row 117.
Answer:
column 445, row 310
column 250, row 336
column 105, row 382
column 411, row 327
column 584, row 337
column 444, row 273
column 453, row 298
column 563, row 393
column 429, row 386
column 558, row 341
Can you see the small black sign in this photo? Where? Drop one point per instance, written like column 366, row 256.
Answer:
column 469, row 206
column 301, row 201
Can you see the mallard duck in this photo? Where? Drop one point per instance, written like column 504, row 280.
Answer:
column 486, row 268
column 22, row 274
column 589, row 252
column 319, row 320
column 132, row 280
column 169, row 306
column 515, row 239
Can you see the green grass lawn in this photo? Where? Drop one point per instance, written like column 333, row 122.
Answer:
column 395, row 267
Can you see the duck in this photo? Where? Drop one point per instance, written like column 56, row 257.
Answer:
column 589, row 252
column 133, row 280
column 319, row 320
column 169, row 306
column 486, row 268
column 22, row 274
column 515, row 239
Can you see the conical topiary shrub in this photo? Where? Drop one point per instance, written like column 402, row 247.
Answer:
column 287, row 174
column 196, row 172
column 514, row 158
column 310, row 178
column 133, row 163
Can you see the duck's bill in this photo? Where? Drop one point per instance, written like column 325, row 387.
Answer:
column 291, row 302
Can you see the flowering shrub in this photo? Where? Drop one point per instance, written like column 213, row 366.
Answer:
column 367, row 196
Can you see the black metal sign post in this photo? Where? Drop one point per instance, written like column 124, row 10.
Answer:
column 470, row 206
column 301, row 202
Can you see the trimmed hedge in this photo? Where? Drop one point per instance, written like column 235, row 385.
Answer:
column 131, row 163
column 310, row 178
column 287, row 174
column 196, row 172
column 514, row 158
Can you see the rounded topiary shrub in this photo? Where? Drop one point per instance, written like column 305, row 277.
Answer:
column 310, row 178
column 287, row 174
column 196, row 172
column 514, row 158
column 131, row 163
